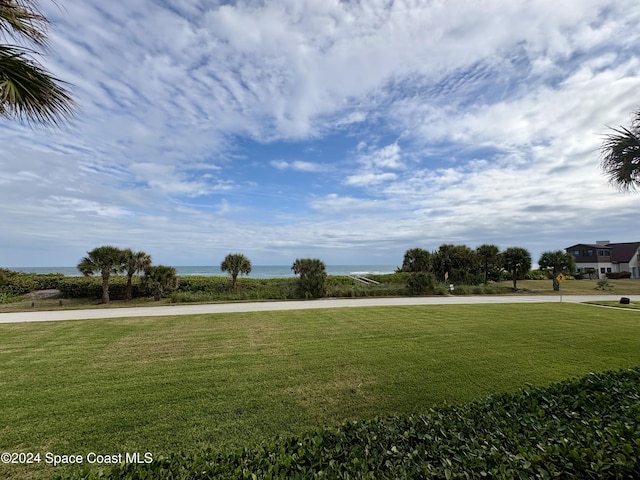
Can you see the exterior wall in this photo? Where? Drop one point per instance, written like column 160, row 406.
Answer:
column 634, row 266
column 598, row 256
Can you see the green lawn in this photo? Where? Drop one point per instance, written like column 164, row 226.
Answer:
column 175, row 383
column 617, row 304
column 626, row 286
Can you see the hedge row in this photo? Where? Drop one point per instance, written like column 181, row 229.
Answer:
column 587, row 428
column 617, row 275
column 91, row 287
column 16, row 283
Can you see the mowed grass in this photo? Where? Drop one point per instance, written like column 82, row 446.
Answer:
column 626, row 286
column 177, row 383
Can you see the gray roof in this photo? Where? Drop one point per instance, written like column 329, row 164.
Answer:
column 620, row 252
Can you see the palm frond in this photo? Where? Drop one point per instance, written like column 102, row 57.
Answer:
column 22, row 18
column 28, row 92
column 620, row 153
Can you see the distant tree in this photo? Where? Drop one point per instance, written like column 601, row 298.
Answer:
column 160, row 279
column 557, row 262
column 590, row 271
column 106, row 260
column 27, row 91
column 134, row 262
column 235, row 264
column 455, row 263
column 489, row 259
column 516, row 260
column 313, row 276
column 416, row 260
column 620, row 153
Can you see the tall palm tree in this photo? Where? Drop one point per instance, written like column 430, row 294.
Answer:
column 235, row 264
column 28, row 92
column 621, row 155
column 134, row 262
column 558, row 262
column 160, row 278
column 516, row 260
column 106, row 260
column 489, row 258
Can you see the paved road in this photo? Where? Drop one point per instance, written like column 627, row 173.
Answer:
column 293, row 305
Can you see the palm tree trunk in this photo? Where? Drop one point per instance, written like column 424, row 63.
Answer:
column 129, row 287
column 105, row 286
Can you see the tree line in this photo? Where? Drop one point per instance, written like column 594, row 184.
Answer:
column 108, row 260
column 461, row 264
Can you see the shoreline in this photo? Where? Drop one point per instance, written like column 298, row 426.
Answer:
column 258, row 271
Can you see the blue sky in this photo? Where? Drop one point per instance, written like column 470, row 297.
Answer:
column 345, row 130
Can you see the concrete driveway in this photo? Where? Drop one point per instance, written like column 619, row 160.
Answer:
column 48, row 316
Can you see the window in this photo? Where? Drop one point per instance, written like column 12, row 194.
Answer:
column 604, row 253
column 576, row 253
column 602, row 270
column 609, row 270
column 587, row 253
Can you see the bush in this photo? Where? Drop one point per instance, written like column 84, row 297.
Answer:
column 8, row 298
column 18, row 283
column 421, row 283
column 91, row 287
column 313, row 276
column 618, row 275
column 585, row 428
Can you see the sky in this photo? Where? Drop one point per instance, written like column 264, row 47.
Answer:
column 348, row 131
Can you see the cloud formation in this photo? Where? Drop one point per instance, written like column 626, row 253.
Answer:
column 346, row 130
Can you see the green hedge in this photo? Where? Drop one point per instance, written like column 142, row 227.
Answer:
column 587, row 428
column 618, row 275
column 18, row 283
column 91, row 287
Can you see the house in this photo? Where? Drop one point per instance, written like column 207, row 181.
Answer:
column 606, row 257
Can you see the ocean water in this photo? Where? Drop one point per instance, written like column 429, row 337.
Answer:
column 257, row 271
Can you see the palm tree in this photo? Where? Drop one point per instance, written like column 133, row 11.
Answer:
column 160, row 278
column 106, row 260
column 489, row 258
column 416, row 260
column 558, row 262
column 235, row 264
column 134, row 262
column 313, row 274
column 28, row 92
column 621, row 155
column 517, row 261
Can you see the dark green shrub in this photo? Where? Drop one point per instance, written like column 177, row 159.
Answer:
column 312, row 277
column 587, row 428
column 618, row 275
column 421, row 283
column 18, row 283
column 91, row 287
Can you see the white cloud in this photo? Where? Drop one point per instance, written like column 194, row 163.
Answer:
column 298, row 165
column 368, row 179
column 421, row 122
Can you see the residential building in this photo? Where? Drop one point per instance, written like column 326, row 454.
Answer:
column 606, row 257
